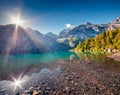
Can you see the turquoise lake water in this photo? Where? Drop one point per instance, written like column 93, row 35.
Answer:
column 16, row 64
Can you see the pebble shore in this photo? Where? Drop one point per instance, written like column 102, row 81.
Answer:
column 73, row 78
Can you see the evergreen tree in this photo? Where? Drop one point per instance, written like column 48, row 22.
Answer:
column 105, row 40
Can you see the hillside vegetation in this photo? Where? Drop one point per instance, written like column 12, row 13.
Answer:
column 108, row 41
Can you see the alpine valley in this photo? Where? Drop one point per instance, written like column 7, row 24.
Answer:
column 27, row 40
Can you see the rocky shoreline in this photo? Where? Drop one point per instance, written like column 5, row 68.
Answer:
column 70, row 77
column 75, row 78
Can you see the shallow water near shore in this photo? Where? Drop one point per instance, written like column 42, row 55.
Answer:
column 39, row 66
column 16, row 64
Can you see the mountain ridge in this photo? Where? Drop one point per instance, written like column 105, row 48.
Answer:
column 88, row 29
column 15, row 39
column 27, row 40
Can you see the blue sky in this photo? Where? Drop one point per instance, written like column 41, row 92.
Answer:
column 52, row 15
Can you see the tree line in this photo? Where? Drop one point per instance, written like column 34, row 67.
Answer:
column 107, row 40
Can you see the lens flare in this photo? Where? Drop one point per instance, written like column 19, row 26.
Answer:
column 17, row 82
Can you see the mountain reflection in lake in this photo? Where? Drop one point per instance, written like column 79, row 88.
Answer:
column 25, row 63
column 30, row 63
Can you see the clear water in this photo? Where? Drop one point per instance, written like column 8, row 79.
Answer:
column 34, row 67
column 15, row 64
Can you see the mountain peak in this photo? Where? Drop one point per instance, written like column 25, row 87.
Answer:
column 118, row 17
column 88, row 23
column 20, row 40
column 51, row 35
column 117, row 21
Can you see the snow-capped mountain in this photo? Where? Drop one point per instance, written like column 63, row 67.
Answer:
column 117, row 21
column 71, row 36
column 88, row 29
column 83, row 31
column 114, row 24
column 21, row 40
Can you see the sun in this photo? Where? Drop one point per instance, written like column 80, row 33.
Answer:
column 17, row 20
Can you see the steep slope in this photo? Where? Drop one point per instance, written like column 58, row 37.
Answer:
column 18, row 40
column 47, row 40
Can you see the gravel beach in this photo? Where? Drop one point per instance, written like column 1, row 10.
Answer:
column 70, row 77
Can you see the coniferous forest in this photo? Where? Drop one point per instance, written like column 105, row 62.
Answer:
column 106, row 41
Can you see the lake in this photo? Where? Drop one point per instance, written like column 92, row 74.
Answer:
column 26, row 62
column 13, row 63
column 35, row 67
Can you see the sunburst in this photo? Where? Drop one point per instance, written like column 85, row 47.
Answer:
column 16, row 19
column 17, row 82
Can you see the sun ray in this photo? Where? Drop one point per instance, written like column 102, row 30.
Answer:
column 12, row 43
column 36, row 41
